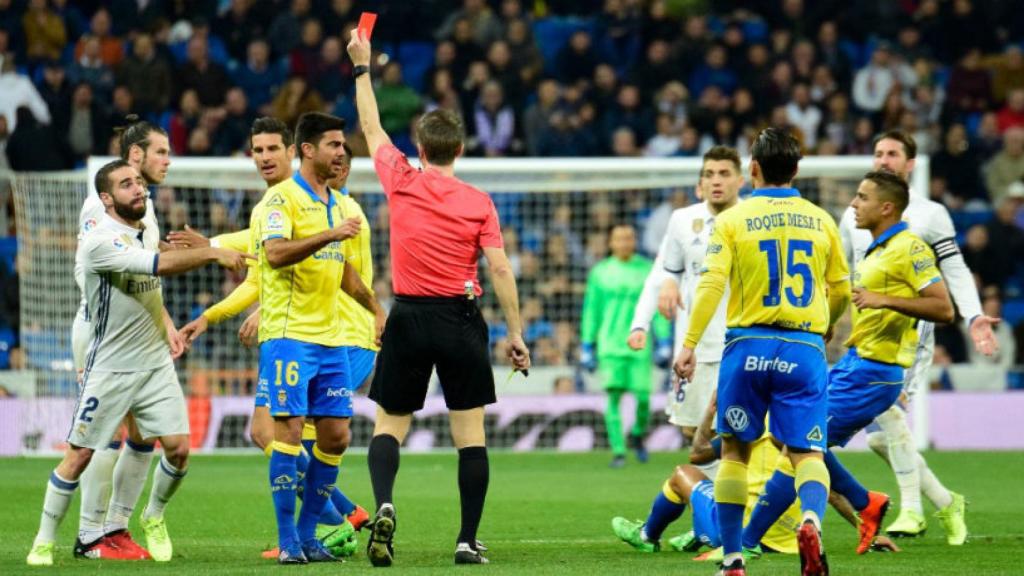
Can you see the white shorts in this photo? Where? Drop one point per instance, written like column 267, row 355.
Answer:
column 696, row 396
column 81, row 333
column 919, row 373
column 154, row 397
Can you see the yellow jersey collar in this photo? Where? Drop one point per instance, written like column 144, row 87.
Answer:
column 312, row 194
column 886, row 236
column 776, row 192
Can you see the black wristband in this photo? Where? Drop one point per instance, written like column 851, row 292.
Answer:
column 359, row 71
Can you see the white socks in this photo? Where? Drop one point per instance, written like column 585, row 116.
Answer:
column 59, row 493
column 166, row 479
column 129, row 479
column 933, row 489
column 97, row 483
column 912, row 472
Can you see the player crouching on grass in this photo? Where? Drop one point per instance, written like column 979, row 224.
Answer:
column 129, row 367
column 689, row 485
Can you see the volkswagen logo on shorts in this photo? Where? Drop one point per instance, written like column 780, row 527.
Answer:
column 737, row 418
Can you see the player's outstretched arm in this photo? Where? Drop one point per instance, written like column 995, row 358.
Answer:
column 180, row 261
column 359, row 51
column 283, row 252
column 504, row 282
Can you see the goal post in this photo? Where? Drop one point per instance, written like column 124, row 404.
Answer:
column 555, row 213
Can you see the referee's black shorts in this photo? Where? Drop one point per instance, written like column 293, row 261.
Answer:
column 424, row 332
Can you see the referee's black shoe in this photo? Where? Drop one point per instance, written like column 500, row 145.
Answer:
column 379, row 549
column 467, row 554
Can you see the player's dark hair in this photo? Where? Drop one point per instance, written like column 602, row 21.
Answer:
column 777, row 152
column 135, row 133
column 891, row 188
column 348, row 154
column 440, row 133
column 102, row 179
column 312, row 126
column 901, row 136
column 722, row 153
column 271, row 125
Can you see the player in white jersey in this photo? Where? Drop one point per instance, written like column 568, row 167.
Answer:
column 128, row 366
column 114, row 481
column 890, row 436
column 674, row 278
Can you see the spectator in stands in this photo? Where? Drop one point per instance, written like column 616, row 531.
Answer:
column 295, row 99
column 111, row 47
column 537, row 118
column 88, row 127
column 987, row 140
column 304, row 59
column 1009, row 250
column 31, row 136
column 286, row 29
column 863, row 137
column 485, row 26
column 605, row 87
column 499, row 59
column 958, row 163
column 237, row 26
column 577, row 59
column 838, row 124
column 970, row 86
column 233, row 134
column 657, row 69
column 665, row 141
column 1007, row 72
column 1007, row 166
column 623, row 143
column 123, row 104
column 526, row 57
column 992, row 305
column 9, row 298
column 182, row 122
column 148, row 76
column 803, row 114
column 629, row 112
column 1012, row 114
column 332, row 75
column 89, row 67
column 714, row 73
column 56, row 92
column 467, row 50
column 873, row 82
column 45, row 35
column 618, row 34
column 134, row 15
column 802, row 59
column 258, row 77
column 724, row 133
column 200, row 73
column 689, row 143
column 983, row 256
column 494, row 124
column 199, row 142
column 398, row 103
column 823, row 84
column 690, row 48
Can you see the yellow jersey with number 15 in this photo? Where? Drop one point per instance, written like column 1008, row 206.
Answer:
column 299, row 302
column 779, row 253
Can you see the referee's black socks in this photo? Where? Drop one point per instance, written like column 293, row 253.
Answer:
column 383, row 461
column 474, row 474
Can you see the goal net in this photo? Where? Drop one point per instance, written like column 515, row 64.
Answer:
column 555, row 215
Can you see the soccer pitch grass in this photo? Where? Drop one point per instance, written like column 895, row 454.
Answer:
column 547, row 513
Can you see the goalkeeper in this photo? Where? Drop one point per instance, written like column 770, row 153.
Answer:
column 613, row 288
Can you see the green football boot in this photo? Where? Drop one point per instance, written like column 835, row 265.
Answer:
column 953, row 520
column 632, row 533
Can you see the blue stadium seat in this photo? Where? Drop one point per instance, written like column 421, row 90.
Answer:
column 8, row 250
column 1013, row 311
column 416, row 59
column 963, row 220
column 552, row 34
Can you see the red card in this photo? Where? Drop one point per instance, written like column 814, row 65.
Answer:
column 366, row 22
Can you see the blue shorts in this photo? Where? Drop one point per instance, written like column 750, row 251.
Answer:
column 361, row 361
column 305, row 379
column 784, row 372
column 859, row 390
column 262, row 393
column 705, row 514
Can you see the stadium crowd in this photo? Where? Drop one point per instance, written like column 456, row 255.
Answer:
column 542, row 78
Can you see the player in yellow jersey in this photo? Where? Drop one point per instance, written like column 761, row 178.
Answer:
column 782, row 259
column 896, row 284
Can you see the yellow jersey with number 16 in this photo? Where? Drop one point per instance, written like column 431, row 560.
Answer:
column 299, row 302
column 779, row 253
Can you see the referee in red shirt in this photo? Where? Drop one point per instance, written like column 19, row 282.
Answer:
column 439, row 225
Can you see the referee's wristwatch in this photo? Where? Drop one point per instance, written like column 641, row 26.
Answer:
column 359, row 70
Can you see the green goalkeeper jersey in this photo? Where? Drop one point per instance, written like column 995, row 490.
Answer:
column 613, row 288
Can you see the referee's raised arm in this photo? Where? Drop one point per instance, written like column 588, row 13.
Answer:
column 439, row 227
